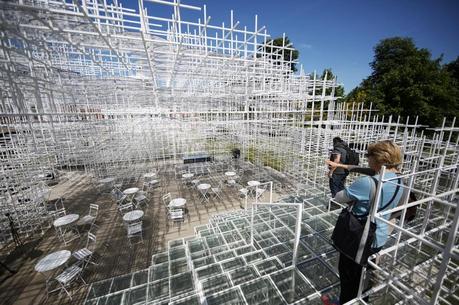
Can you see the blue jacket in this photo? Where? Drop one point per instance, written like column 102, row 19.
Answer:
column 360, row 192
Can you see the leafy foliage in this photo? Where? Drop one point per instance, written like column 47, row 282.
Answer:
column 339, row 91
column 453, row 69
column 274, row 51
column 406, row 81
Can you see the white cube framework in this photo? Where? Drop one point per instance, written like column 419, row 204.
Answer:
column 95, row 86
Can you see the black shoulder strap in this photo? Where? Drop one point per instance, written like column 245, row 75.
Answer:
column 387, row 204
column 393, row 196
column 363, row 170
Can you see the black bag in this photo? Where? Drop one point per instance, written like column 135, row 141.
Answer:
column 411, row 212
column 350, row 230
column 348, row 233
column 352, row 158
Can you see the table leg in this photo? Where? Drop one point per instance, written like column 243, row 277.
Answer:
column 60, row 232
column 204, row 196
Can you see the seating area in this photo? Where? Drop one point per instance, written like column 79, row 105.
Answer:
column 118, row 227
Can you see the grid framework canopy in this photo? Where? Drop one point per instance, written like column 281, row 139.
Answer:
column 94, row 85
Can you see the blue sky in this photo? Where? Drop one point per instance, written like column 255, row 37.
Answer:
column 340, row 34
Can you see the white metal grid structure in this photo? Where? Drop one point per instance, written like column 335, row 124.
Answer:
column 95, row 86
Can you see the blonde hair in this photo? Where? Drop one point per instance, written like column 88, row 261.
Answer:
column 386, row 153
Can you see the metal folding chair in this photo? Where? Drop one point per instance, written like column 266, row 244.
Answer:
column 134, row 229
column 68, row 276
column 84, row 255
column 216, row 191
column 90, row 219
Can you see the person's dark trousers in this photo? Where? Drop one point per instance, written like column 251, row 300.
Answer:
column 337, row 183
column 349, row 276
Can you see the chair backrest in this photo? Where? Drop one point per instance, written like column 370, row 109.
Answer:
column 113, row 193
column 176, row 214
column 134, row 223
column 261, row 189
column 243, row 190
column 124, row 206
column 166, row 198
column 117, row 194
column 59, row 204
column 58, row 213
column 91, row 242
column 134, row 227
column 93, row 209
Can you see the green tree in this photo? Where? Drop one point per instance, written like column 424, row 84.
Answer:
column 406, row 81
column 453, row 69
column 273, row 50
column 360, row 94
column 339, row 91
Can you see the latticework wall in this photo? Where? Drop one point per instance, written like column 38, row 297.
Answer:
column 92, row 85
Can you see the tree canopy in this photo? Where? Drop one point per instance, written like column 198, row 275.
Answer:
column 272, row 46
column 407, row 81
column 339, row 91
column 453, row 69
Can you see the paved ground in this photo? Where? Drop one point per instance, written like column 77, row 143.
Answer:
column 114, row 255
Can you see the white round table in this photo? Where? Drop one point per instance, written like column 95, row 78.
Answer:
column 253, row 183
column 153, row 182
column 133, row 215
column 149, row 175
column 204, row 186
column 66, row 220
column 230, row 174
column 107, row 180
column 177, row 203
column 131, row 190
column 53, row 260
column 188, row 175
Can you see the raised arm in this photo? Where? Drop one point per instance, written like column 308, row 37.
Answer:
column 336, row 157
column 352, row 168
column 336, row 164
